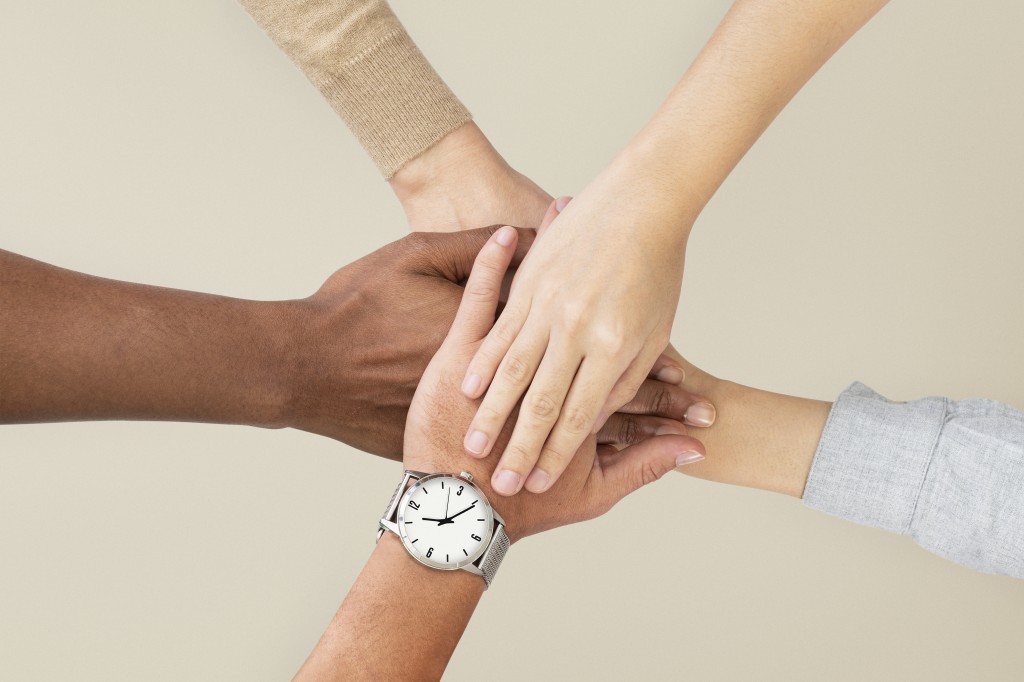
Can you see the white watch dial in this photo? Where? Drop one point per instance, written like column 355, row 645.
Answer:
column 444, row 521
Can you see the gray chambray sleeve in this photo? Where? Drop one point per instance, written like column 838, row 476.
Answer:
column 948, row 473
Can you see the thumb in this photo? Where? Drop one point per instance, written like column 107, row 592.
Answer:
column 556, row 207
column 632, row 468
column 451, row 254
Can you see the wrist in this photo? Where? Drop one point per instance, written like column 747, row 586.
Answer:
column 759, row 439
column 462, row 183
column 288, row 348
column 463, row 153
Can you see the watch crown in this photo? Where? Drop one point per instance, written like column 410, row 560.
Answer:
column 466, row 475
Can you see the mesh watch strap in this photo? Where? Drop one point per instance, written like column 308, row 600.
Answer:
column 494, row 554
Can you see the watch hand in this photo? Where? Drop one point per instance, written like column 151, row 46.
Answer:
column 429, row 519
column 450, row 518
column 447, row 500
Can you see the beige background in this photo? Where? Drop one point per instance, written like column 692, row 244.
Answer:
column 873, row 233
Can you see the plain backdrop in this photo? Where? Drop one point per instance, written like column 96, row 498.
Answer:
column 874, row 233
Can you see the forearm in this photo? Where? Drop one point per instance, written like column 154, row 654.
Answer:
column 756, row 61
column 76, row 347
column 366, row 66
column 759, row 439
column 395, row 600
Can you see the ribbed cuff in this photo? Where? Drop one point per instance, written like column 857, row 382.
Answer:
column 873, row 458
column 393, row 101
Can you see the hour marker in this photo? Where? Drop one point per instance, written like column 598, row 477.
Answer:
column 425, row 491
column 480, row 519
column 446, row 559
column 408, row 522
column 442, row 485
column 465, row 552
column 414, row 541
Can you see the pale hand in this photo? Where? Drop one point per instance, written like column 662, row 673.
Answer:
column 589, row 314
column 597, row 476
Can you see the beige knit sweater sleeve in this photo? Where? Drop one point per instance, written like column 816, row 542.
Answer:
column 359, row 56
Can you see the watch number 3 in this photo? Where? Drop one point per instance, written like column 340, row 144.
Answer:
column 460, row 490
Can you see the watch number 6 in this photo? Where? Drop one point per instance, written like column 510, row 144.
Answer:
column 430, row 552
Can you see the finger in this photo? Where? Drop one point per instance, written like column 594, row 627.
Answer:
column 556, row 207
column 623, row 430
column 660, row 399
column 667, row 370
column 636, row 466
column 579, row 414
column 513, row 376
column 451, row 254
column 476, row 312
column 626, row 387
column 537, row 416
column 493, row 351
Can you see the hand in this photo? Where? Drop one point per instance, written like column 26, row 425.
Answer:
column 589, row 313
column 596, row 478
column 364, row 339
column 462, row 182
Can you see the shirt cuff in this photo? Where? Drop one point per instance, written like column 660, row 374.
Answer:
column 873, row 458
column 394, row 102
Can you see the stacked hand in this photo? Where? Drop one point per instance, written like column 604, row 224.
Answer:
column 595, row 478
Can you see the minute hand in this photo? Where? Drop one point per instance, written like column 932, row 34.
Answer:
column 451, row 519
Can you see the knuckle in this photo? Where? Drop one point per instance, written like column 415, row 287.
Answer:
column 609, row 338
column 542, row 407
column 517, row 457
column 649, row 473
column 573, row 317
column 578, row 420
column 630, row 431
column 554, row 460
column 663, row 402
column 503, row 330
column 515, row 369
column 484, row 291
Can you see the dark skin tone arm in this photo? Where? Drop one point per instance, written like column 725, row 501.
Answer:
column 343, row 363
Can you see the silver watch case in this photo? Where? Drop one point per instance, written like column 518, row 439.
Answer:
column 393, row 520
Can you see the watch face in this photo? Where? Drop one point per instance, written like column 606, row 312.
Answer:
column 444, row 521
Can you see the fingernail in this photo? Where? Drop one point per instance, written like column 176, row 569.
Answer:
column 476, row 442
column 701, row 414
column 537, row 481
column 671, row 375
column 470, row 385
column 670, row 430
column 688, row 457
column 505, row 235
column 561, row 203
column 506, row 482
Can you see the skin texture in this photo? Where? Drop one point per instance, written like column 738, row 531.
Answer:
column 462, row 182
column 570, row 347
column 343, row 363
column 762, row 439
column 385, row 605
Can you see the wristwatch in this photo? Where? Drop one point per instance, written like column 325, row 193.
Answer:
column 445, row 522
